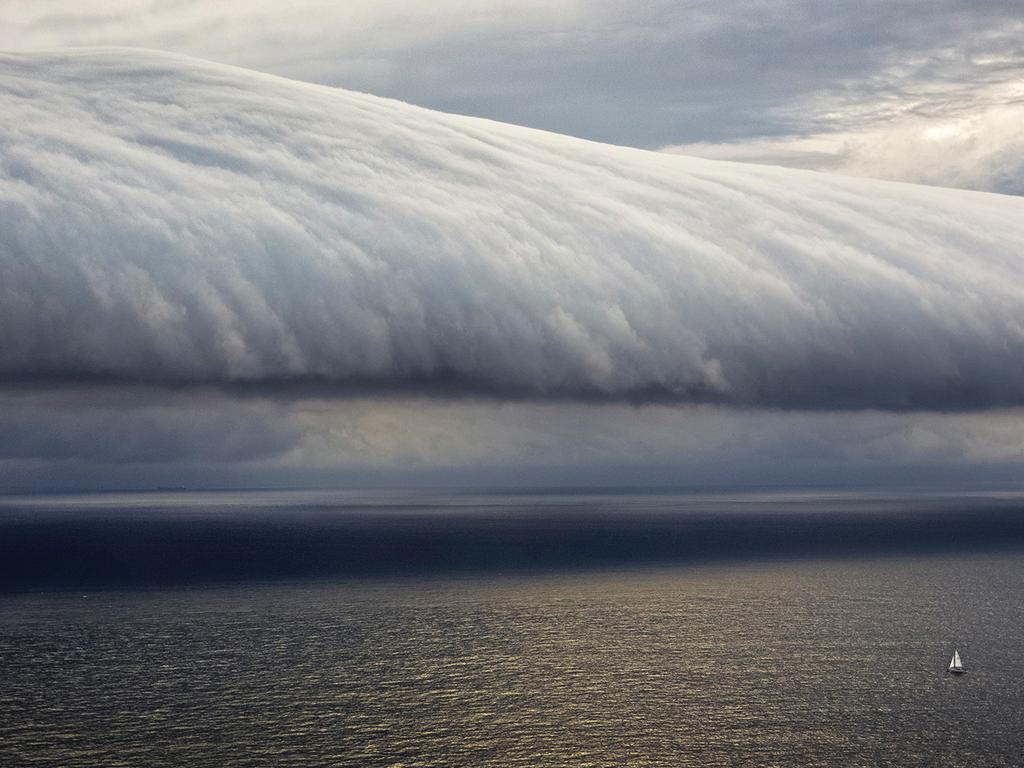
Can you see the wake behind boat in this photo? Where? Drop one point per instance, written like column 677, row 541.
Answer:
column 956, row 667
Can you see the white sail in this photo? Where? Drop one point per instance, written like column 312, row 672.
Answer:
column 955, row 663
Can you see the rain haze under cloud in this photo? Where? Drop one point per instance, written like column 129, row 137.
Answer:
column 95, row 438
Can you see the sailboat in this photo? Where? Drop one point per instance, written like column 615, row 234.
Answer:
column 955, row 666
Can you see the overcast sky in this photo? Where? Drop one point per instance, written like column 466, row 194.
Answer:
column 181, row 244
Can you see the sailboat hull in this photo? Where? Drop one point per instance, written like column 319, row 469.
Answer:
column 957, row 671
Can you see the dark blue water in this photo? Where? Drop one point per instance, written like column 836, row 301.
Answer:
column 757, row 631
column 131, row 541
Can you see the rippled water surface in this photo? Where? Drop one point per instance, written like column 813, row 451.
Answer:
column 836, row 662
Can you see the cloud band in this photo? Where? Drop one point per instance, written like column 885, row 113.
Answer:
column 169, row 221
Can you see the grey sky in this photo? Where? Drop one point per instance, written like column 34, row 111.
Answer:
column 645, row 74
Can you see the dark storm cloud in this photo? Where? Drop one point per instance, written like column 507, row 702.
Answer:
column 166, row 221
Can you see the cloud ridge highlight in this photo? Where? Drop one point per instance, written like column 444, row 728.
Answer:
column 170, row 221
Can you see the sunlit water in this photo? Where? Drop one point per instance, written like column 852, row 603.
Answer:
column 823, row 662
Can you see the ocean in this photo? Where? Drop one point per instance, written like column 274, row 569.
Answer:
column 575, row 629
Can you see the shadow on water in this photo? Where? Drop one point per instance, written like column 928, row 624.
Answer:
column 125, row 542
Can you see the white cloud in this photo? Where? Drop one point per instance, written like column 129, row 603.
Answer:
column 167, row 220
column 976, row 146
